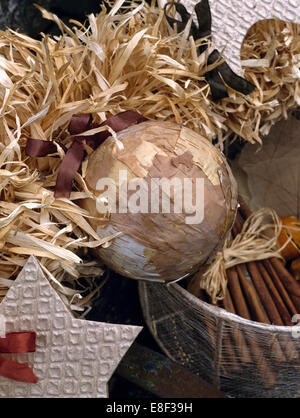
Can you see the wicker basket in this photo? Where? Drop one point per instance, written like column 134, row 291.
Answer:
column 215, row 344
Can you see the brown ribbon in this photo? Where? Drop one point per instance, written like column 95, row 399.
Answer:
column 75, row 154
column 203, row 14
column 222, row 75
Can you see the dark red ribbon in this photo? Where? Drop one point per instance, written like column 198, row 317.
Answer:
column 17, row 342
column 75, row 154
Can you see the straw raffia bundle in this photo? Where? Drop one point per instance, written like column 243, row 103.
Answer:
column 119, row 61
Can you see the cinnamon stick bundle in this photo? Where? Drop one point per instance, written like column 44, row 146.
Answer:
column 259, row 306
column 289, row 282
column 243, row 352
column 285, row 315
column 264, row 294
column 252, row 297
column 287, row 286
column 236, row 284
column 249, row 350
column 238, row 337
column 281, row 289
column 237, row 294
column 257, row 309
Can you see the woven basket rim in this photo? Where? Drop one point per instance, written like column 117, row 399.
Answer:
column 220, row 313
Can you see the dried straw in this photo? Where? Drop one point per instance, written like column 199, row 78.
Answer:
column 256, row 241
column 118, row 61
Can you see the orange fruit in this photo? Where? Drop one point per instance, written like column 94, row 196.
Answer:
column 290, row 230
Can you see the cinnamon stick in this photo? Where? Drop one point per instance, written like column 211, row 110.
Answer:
column 251, row 294
column 228, row 303
column 252, row 297
column 282, row 299
column 288, row 347
column 281, row 289
column 285, row 315
column 268, row 375
column 238, row 336
column 290, row 283
column 237, row 294
column 229, row 360
column 264, row 277
column 258, row 307
column 264, row 294
column 227, row 346
column 281, row 275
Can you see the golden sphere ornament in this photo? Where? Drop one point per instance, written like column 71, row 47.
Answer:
column 168, row 193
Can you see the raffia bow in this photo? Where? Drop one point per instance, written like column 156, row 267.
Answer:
column 79, row 127
column 256, row 241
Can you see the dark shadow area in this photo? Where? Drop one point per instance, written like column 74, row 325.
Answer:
column 23, row 16
column 119, row 304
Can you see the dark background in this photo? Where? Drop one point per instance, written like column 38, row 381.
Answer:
column 22, row 15
column 119, row 301
column 119, row 304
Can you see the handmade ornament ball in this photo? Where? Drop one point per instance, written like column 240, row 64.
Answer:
column 167, row 193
